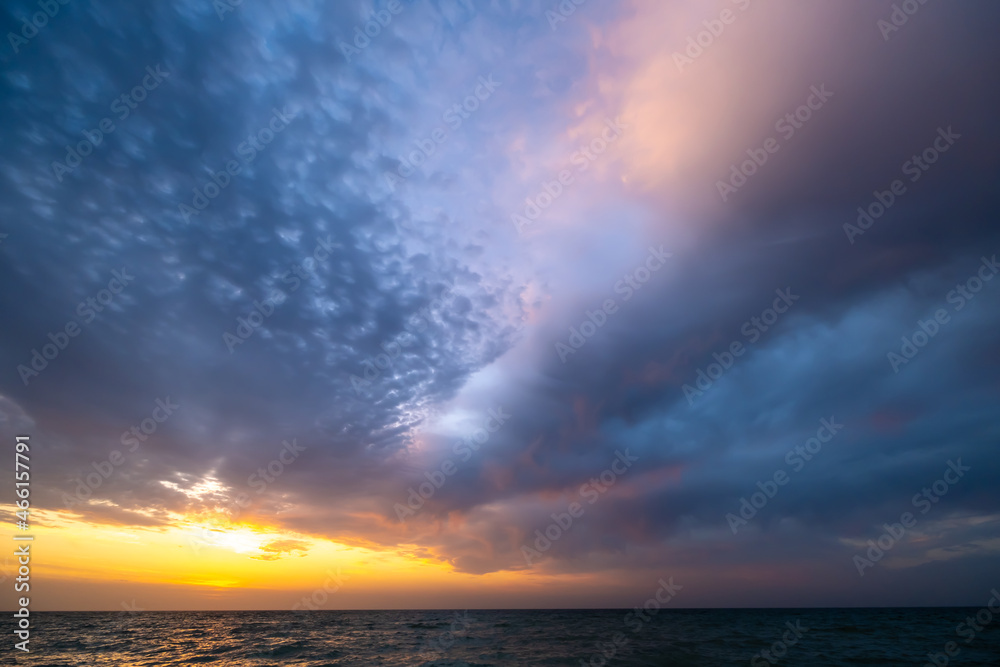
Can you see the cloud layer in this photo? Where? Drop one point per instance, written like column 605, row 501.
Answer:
column 405, row 329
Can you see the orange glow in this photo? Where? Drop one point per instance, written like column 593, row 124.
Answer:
column 212, row 565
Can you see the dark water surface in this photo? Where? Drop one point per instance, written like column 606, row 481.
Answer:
column 476, row 637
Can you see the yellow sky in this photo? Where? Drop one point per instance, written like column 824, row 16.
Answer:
column 77, row 565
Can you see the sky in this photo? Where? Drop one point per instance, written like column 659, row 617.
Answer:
column 514, row 304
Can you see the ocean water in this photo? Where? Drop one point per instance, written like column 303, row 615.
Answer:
column 475, row 637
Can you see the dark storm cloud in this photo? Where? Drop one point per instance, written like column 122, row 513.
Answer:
column 443, row 243
column 826, row 358
column 196, row 272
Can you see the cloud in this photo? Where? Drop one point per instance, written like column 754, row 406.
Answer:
column 278, row 548
column 426, row 308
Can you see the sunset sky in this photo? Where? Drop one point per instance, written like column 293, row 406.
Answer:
column 290, row 307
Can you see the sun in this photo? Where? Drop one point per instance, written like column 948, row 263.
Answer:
column 242, row 540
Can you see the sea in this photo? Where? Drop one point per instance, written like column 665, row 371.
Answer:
column 481, row 638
